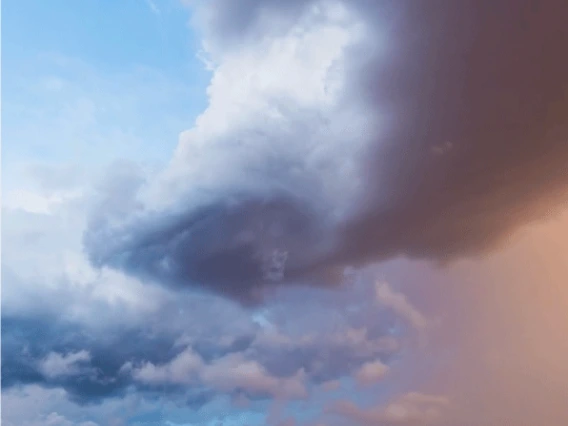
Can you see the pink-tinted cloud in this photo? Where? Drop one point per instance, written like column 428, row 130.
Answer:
column 371, row 373
column 409, row 409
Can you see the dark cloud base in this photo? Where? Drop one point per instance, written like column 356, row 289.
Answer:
column 25, row 342
column 235, row 247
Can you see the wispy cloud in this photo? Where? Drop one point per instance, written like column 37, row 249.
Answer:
column 153, row 7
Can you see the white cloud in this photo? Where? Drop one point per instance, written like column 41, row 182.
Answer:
column 229, row 373
column 44, row 266
column 409, row 409
column 181, row 370
column 371, row 372
column 84, row 118
column 57, row 365
column 34, row 202
column 275, row 111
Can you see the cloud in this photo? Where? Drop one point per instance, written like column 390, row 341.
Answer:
column 218, row 247
column 54, row 419
column 36, row 406
column 331, row 385
column 45, row 350
column 35, row 203
column 55, row 365
column 409, row 409
column 353, row 132
column 233, row 372
column 153, row 7
column 456, row 77
column 371, row 372
column 181, row 370
column 283, row 358
column 339, row 137
column 226, row 214
column 199, row 341
column 32, row 405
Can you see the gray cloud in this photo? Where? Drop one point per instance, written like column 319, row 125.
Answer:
column 464, row 141
column 203, row 341
column 45, row 351
column 231, row 247
column 477, row 143
column 412, row 408
column 69, row 364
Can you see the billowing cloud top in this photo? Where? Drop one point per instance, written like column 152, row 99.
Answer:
column 340, row 133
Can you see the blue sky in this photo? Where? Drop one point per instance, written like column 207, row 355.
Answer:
column 277, row 213
column 77, row 73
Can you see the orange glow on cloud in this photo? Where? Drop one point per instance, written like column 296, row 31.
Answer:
column 510, row 327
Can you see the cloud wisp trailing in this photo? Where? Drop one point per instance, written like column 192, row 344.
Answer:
column 349, row 133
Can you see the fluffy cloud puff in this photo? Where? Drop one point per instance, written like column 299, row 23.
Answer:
column 410, row 409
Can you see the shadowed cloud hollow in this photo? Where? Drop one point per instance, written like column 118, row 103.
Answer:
column 432, row 130
column 232, row 247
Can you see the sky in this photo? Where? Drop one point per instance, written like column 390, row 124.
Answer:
column 301, row 213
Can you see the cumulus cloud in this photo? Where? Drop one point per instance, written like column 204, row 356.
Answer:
column 341, row 133
column 236, row 373
column 338, row 133
column 283, row 358
column 229, row 374
column 205, row 344
column 371, row 372
column 55, row 365
column 226, row 214
column 180, row 370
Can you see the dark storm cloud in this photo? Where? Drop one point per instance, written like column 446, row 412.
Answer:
column 26, row 342
column 478, row 141
column 233, row 247
column 473, row 146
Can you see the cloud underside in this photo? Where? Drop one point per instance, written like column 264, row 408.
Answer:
column 462, row 140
